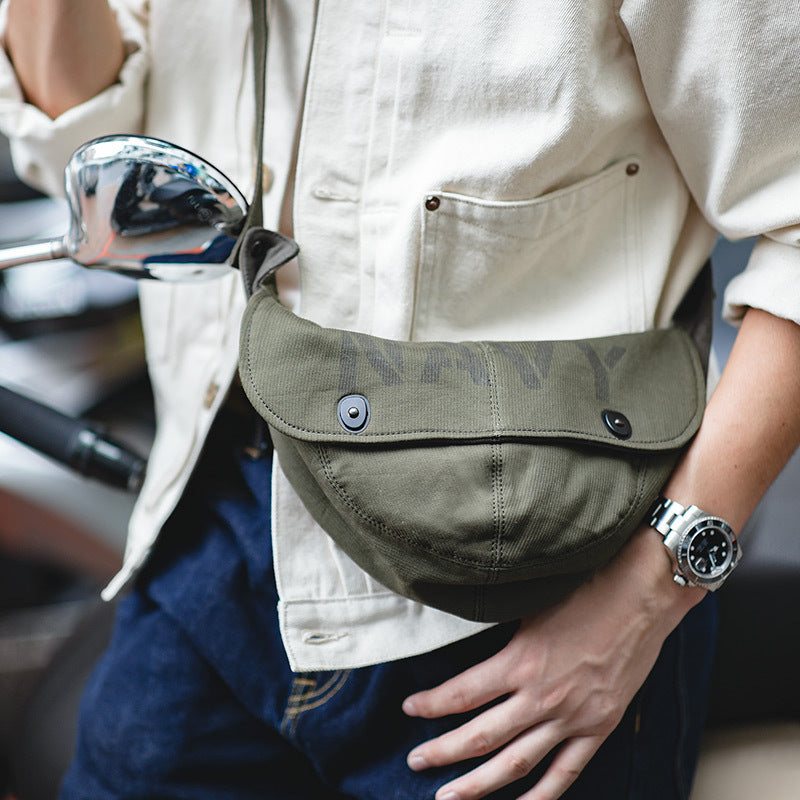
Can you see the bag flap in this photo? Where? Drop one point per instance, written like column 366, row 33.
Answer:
column 295, row 374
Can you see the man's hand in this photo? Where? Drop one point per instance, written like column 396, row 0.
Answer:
column 566, row 679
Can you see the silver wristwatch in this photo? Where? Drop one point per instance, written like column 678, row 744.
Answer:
column 703, row 547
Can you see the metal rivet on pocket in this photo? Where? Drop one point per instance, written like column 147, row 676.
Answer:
column 432, row 203
column 618, row 424
column 353, row 412
column 632, row 168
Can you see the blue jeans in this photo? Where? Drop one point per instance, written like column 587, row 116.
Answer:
column 194, row 697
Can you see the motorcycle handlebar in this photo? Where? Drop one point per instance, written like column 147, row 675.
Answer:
column 71, row 441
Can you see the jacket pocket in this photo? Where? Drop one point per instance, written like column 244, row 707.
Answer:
column 563, row 265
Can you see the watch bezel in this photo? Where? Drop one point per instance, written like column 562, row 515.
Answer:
column 687, row 537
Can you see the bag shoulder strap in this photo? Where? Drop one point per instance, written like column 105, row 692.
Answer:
column 254, row 218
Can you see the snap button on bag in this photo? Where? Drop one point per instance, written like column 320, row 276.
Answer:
column 353, row 412
column 618, row 424
column 472, row 488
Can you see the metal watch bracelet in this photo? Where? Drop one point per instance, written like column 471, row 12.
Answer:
column 695, row 540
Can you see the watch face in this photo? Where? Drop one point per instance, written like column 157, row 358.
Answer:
column 708, row 549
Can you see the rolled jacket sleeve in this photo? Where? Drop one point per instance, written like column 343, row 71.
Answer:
column 722, row 79
column 41, row 146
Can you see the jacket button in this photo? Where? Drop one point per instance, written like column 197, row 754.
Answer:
column 432, row 203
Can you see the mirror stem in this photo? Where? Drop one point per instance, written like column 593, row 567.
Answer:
column 44, row 250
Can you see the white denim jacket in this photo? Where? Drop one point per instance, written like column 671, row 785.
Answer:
column 583, row 152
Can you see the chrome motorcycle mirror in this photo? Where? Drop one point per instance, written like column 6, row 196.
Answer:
column 145, row 208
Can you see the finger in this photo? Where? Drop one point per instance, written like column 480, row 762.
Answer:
column 569, row 762
column 482, row 735
column 465, row 692
column 512, row 763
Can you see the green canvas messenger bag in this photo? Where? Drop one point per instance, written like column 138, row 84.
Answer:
column 487, row 479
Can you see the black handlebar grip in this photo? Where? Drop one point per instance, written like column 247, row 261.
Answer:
column 70, row 441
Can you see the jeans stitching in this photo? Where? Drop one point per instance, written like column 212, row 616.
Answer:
column 314, row 689
column 324, row 699
column 305, row 696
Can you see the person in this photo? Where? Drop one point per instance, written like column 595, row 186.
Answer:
column 583, row 157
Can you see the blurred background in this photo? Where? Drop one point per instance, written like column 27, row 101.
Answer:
column 71, row 338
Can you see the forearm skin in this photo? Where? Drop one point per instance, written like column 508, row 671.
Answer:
column 64, row 51
column 750, row 430
column 752, row 424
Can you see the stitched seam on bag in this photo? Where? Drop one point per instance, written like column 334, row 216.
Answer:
column 330, row 434
column 369, row 519
column 639, row 493
column 641, row 473
column 498, row 502
column 425, row 545
column 496, row 478
column 381, row 526
column 582, row 434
